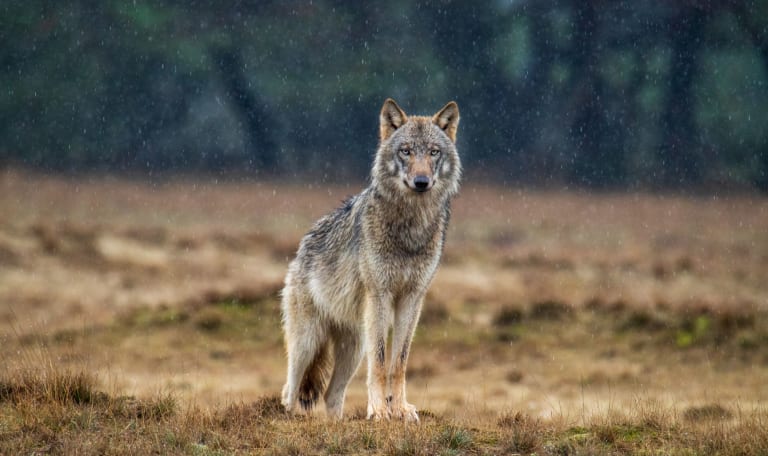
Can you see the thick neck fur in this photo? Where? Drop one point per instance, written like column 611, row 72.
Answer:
column 411, row 222
column 408, row 224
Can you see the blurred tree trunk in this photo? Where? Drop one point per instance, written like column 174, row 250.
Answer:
column 463, row 36
column 596, row 164
column 153, row 109
column 678, row 155
column 746, row 15
column 533, row 97
column 259, row 126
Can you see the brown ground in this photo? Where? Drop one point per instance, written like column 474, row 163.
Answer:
column 554, row 304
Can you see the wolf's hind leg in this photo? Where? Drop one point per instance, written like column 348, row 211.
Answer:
column 315, row 377
column 308, row 355
column 348, row 352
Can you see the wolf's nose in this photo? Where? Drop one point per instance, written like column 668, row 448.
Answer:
column 421, row 182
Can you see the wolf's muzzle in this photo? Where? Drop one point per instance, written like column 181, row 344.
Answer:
column 421, row 183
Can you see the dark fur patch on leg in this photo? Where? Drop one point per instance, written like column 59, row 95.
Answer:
column 315, row 379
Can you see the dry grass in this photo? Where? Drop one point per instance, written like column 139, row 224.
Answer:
column 139, row 318
column 64, row 413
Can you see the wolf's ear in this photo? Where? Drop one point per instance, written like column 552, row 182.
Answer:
column 391, row 118
column 448, row 119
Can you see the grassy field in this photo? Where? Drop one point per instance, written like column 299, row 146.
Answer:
column 143, row 317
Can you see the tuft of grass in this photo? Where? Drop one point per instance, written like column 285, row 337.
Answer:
column 157, row 408
column 434, row 312
column 144, row 317
column 61, row 387
column 514, row 376
column 549, row 310
column 239, row 415
column 368, row 440
column 209, row 319
column 624, row 433
column 246, row 296
column 642, row 320
column 522, row 434
column 707, row 412
column 407, row 445
column 455, row 438
column 508, row 334
column 507, row 315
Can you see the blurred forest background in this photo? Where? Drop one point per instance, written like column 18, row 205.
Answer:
column 598, row 94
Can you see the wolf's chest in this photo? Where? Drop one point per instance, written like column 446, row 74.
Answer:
column 409, row 237
column 399, row 257
column 404, row 250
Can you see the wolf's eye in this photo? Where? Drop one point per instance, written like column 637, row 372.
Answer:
column 434, row 152
column 405, row 151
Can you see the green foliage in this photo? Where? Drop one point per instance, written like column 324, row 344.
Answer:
column 514, row 48
column 456, row 438
column 136, row 85
column 693, row 331
column 731, row 99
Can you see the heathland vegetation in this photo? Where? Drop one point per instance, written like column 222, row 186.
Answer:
column 139, row 318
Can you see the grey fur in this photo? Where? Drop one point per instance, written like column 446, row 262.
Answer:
column 366, row 267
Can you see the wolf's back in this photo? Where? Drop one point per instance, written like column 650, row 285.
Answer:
column 333, row 235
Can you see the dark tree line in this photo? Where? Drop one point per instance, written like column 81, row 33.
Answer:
column 593, row 93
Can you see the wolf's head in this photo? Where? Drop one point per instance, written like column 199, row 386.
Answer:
column 417, row 154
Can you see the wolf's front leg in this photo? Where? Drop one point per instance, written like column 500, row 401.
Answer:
column 406, row 316
column 378, row 312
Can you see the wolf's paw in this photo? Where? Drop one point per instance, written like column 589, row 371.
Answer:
column 287, row 402
column 406, row 412
column 378, row 412
column 334, row 411
column 309, row 394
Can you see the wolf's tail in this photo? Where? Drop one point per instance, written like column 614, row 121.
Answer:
column 315, row 378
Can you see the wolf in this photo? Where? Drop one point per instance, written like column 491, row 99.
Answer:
column 366, row 267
